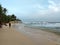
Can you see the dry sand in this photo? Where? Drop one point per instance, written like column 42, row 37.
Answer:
column 9, row 36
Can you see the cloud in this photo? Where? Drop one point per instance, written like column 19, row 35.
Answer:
column 51, row 11
column 51, row 2
column 53, row 6
column 38, row 6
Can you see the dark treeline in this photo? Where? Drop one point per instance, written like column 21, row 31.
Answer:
column 4, row 18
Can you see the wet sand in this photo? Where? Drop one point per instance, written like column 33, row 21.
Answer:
column 9, row 36
column 38, row 36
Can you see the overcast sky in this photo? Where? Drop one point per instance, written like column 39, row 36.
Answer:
column 37, row 10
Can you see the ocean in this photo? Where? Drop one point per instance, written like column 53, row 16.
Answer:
column 51, row 27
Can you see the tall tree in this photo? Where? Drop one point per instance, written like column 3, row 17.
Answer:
column 1, row 10
column 0, row 16
column 4, row 18
column 13, row 17
column 4, row 10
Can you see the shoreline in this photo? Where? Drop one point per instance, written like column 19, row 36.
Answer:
column 21, row 35
column 39, row 36
column 47, row 29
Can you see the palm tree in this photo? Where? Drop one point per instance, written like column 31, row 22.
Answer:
column 13, row 17
column 0, row 16
column 4, row 10
column 0, row 10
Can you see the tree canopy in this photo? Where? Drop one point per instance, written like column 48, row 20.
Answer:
column 4, row 18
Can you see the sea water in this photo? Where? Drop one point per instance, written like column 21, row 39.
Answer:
column 52, row 27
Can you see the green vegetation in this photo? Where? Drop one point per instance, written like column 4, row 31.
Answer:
column 4, row 18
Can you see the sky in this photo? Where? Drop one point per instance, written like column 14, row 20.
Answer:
column 33, row 10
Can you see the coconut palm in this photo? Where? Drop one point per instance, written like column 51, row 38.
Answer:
column 4, row 10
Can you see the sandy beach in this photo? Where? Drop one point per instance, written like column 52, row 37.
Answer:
column 38, row 36
column 27, row 36
column 9, row 36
